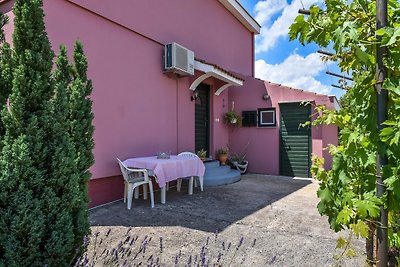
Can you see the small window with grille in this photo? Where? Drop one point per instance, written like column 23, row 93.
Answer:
column 249, row 118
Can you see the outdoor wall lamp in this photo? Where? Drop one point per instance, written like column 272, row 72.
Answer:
column 194, row 96
column 265, row 96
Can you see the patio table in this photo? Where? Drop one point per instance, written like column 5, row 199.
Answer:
column 171, row 169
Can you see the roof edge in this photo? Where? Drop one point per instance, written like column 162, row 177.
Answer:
column 242, row 15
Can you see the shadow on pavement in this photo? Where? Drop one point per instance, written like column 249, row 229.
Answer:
column 212, row 210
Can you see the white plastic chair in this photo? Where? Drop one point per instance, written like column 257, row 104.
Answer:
column 133, row 178
column 179, row 182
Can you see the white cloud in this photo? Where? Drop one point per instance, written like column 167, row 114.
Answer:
column 295, row 71
column 264, row 10
column 270, row 34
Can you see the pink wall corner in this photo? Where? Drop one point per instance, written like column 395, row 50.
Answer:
column 263, row 148
column 262, row 143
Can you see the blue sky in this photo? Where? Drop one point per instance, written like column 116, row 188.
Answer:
column 281, row 61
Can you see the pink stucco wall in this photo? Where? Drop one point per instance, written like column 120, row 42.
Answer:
column 204, row 26
column 138, row 110
column 263, row 143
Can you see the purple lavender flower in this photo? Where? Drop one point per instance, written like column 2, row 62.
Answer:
column 229, row 245
column 161, row 244
column 108, row 232
column 219, row 256
column 150, row 261
column 176, row 260
column 240, row 242
column 254, row 242
column 144, row 247
column 86, row 260
column 129, row 229
column 189, row 263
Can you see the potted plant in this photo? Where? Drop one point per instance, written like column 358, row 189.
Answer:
column 232, row 118
column 239, row 162
column 222, row 154
column 202, row 154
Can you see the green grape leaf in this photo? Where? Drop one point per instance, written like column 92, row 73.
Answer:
column 367, row 207
column 351, row 253
column 393, row 38
column 360, row 229
column 344, row 178
column 325, row 194
column 344, row 215
column 341, row 242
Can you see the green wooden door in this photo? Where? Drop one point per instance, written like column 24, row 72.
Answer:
column 202, row 110
column 295, row 141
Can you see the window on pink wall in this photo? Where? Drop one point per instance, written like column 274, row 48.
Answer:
column 266, row 117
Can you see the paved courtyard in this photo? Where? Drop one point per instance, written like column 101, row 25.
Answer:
column 260, row 221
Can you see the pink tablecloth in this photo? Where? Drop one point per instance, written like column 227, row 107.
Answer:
column 170, row 169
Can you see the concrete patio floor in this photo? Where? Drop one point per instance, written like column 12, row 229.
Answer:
column 276, row 217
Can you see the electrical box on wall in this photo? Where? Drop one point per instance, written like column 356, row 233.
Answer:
column 178, row 60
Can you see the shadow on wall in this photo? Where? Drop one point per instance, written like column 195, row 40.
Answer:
column 212, row 210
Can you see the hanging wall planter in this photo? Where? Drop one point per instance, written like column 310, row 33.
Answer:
column 231, row 118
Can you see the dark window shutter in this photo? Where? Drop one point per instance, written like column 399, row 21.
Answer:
column 249, row 118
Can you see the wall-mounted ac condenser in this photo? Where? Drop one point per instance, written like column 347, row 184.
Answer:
column 178, row 59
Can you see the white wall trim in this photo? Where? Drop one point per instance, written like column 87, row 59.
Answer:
column 242, row 15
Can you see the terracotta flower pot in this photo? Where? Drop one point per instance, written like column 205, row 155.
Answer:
column 222, row 158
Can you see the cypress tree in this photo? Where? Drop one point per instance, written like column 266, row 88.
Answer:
column 62, row 183
column 25, row 154
column 81, row 130
column 42, row 199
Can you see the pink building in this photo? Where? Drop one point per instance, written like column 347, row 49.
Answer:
column 140, row 111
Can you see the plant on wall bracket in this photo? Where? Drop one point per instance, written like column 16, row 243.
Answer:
column 231, row 118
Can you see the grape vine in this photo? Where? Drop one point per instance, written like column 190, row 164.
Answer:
column 347, row 191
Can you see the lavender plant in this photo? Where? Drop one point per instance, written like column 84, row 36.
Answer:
column 136, row 250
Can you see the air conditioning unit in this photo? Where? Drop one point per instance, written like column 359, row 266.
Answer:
column 178, row 59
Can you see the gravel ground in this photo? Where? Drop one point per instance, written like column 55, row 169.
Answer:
column 260, row 221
